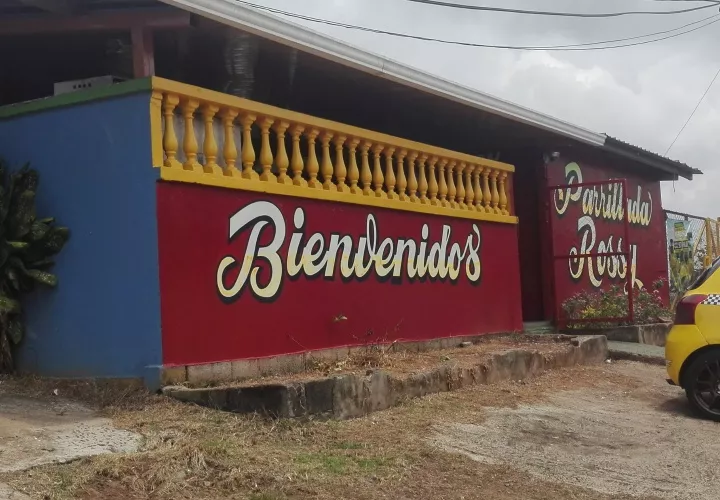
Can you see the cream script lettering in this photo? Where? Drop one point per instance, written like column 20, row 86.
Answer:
column 600, row 266
column 262, row 268
column 603, row 201
column 597, row 203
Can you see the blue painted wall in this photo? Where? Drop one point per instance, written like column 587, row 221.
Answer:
column 96, row 178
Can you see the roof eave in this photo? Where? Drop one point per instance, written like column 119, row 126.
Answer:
column 275, row 28
column 673, row 168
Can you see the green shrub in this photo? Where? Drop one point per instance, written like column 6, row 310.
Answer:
column 27, row 245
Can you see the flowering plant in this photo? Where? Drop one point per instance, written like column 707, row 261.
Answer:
column 648, row 306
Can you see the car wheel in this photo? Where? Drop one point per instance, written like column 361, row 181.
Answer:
column 702, row 385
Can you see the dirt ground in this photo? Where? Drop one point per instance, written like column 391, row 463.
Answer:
column 615, row 431
column 639, row 441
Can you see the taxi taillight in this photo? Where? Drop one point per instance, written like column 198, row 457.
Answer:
column 685, row 311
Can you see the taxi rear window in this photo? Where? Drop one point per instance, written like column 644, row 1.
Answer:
column 706, row 274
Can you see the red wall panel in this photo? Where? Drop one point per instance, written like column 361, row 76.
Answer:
column 218, row 304
column 590, row 220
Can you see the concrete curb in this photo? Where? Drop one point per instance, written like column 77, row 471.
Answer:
column 351, row 396
column 653, row 334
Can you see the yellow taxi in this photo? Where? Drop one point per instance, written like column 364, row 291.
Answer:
column 692, row 350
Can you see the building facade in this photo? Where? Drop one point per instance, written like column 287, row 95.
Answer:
column 217, row 236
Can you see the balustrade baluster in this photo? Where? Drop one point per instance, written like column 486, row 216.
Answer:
column 503, row 195
column 401, row 179
column 326, row 166
column 477, row 189
column 422, row 181
column 266, row 156
column 442, row 187
column 378, row 177
column 469, row 192
column 170, row 140
column 340, row 168
column 296, row 161
column 390, row 174
column 452, row 190
column 281, row 156
column 312, row 162
column 460, row 200
column 210, row 147
column 353, row 170
column 494, row 191
column 487, row 196
column 190, row 143
column 230, row 153
column 248, row 151
column 432, row 181
column 412, row 178
column 366, row 176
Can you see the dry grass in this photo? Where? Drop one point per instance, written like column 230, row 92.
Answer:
column 192, row 452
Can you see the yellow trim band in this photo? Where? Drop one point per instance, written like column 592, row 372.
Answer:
column 187, row 176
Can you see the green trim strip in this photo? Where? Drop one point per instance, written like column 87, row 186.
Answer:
column 78, row 97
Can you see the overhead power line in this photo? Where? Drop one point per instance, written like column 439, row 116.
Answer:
column 571, row 47
column 440, row 3
column 645, row 42
column 657, row 33
column 702, row 98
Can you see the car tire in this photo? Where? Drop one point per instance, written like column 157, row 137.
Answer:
column 702, row 385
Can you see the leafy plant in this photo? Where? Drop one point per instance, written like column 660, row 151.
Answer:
column 27, row 245
column 648, row 307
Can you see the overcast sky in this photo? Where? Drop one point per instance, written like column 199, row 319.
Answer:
column 641, row 94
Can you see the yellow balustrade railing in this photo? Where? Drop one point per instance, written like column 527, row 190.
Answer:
column 207, row 137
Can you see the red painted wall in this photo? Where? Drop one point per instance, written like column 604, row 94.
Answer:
column 280, row 309
column 586, row 220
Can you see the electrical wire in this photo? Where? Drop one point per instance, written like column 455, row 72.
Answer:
column 712, row 82
column 440, row 3
column 572, row 47
column 550, row 47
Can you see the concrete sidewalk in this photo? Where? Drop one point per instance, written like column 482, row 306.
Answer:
column 637, row 352
column 50, row 429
